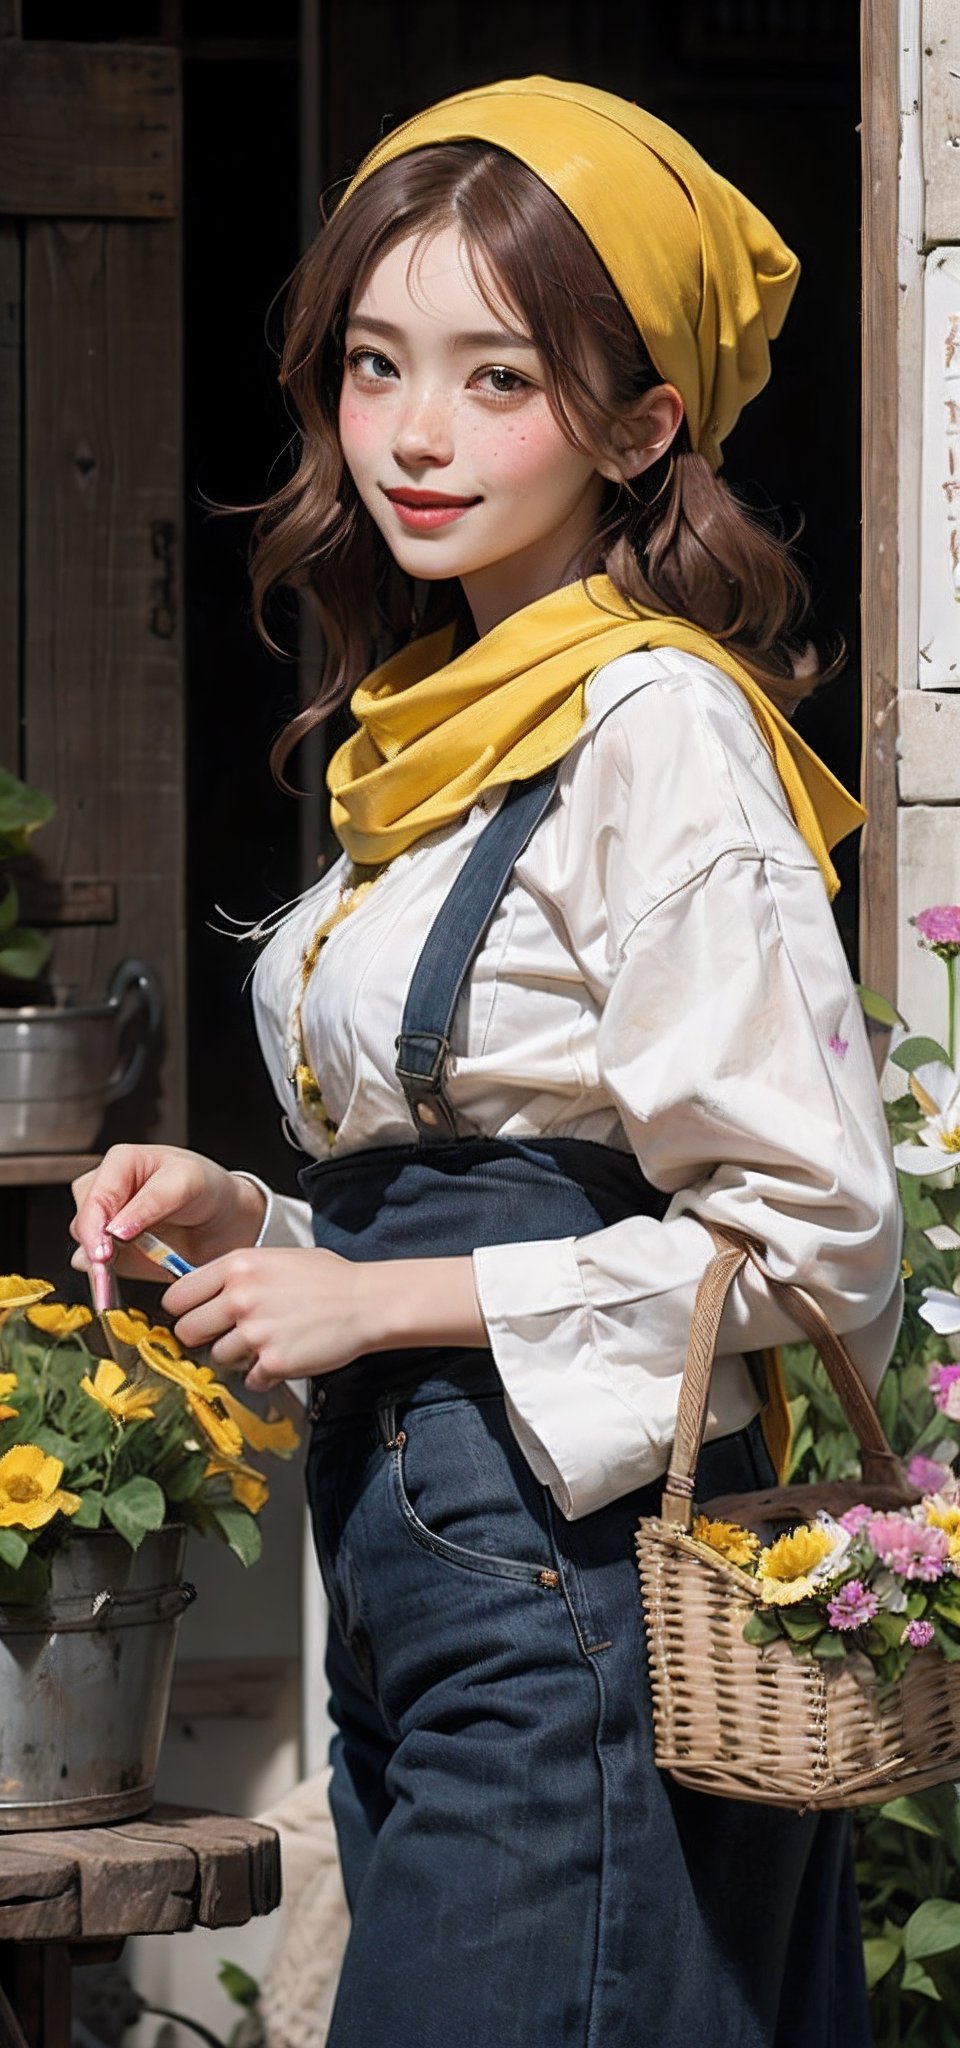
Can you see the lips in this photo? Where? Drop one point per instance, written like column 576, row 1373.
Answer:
column 422, row 511
column 425, row 500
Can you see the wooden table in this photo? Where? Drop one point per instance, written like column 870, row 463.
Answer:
column 72, row 1895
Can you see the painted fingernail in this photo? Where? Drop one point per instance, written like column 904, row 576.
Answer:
column 123, row 1231
column 103, row 1250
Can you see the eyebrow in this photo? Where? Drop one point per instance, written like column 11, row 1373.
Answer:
column 492, row 337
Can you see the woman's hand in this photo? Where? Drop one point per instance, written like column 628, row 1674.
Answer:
column 285, row 1315
column 197, row 1206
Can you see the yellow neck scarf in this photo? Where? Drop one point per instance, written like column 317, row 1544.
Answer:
column 434, row 733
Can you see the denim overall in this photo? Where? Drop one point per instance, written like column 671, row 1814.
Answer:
column 519, row 1873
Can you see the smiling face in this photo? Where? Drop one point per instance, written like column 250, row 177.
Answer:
column 449, row 437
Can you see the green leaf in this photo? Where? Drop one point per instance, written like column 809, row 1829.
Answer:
column 89, row 1512
column 238, row 1984
column 240, row 1530
column 802, row 1626
column 24, row 954
column 933, row 1928
column 946, row 1644
column 916, row 1979
column 874, row 1005
column 827, row 1646
column 918, row 1052
column 135, row 1508
column 9, row 910
column 183, row 1478
column 13, row 1548
column 879, row 1956
column 22, row 809
column 910, row 1815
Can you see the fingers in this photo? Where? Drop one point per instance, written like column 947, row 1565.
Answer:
column 135, row 1187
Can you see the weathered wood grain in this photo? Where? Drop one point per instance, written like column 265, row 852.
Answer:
column 125, row 1886
column 940, row 103
column 39, row 1896
column 176, row 1868
column 89, row 129
column 102, row 642
column 238, row 1861
column 10, row 538
column 880, row 139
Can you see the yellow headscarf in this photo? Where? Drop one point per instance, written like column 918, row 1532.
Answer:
column 433, row 734
column 703, row 274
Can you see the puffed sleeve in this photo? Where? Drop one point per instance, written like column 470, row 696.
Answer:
column 732, row 1044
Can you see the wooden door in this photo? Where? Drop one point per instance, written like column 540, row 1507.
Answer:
column 90, row 505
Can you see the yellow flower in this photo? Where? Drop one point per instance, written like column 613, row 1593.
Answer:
column 195, row 1379
column 111, row 1388
column 738, row 1546
column 128, row 1325
column 16, row 1292
column 944, row 1514
column 247, row 1486
column 30, row 1493
column 202, row 1389
column 277, row 1435
column 8, row 1381
column 785, row 1568
column 57, row 1321
column 222, row 1433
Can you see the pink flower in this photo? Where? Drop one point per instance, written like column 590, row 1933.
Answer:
column 852, row 1606
column 944, row 1384
column 907, row 1547
column 840, row 1046
column 939, row 927
column 927, row 1475
column 918, row 1634
column 856, row 1519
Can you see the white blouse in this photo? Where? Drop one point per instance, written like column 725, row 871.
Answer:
column 663, row 974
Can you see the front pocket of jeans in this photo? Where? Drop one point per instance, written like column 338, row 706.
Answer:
column 453, row 1464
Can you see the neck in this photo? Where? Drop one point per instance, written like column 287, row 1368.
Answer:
column 494, row 593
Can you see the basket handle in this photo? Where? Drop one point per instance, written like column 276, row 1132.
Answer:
column 880, row 1466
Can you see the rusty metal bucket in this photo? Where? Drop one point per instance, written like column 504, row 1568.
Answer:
column 85, row 1682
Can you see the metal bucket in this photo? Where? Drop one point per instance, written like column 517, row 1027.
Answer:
column 85, row 1682
column 61, row 1065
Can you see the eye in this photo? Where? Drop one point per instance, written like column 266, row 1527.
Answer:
column 501, row 382
column 369, row 366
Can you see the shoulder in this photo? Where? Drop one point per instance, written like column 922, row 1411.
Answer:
column 680, row 740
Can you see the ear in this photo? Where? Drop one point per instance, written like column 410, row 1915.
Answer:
column 642, row 435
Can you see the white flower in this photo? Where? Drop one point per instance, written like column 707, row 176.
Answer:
column 941, row 1310
column 937, row 1089
column 831, row 1565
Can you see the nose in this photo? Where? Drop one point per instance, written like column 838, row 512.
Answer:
column 424, row 431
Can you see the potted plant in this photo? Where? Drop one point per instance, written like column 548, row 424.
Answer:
column 104, row 1464
column 60, row 1060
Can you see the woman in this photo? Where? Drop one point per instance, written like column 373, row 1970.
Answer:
column 572, row 992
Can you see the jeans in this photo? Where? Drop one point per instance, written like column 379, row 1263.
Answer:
column 519, row 1873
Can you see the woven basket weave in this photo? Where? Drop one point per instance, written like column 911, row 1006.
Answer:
column 768, row 1724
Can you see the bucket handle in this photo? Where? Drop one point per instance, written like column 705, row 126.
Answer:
column 134, row 979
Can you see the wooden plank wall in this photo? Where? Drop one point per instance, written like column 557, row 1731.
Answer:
column 91, row 513
column 102, row 661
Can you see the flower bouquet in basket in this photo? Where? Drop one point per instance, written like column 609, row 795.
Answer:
column 805, row 1643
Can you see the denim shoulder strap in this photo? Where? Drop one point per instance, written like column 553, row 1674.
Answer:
column 451, row 943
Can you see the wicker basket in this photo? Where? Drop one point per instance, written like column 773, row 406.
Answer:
column 767, row 1724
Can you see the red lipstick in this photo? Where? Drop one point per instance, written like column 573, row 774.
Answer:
column 423, row 510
